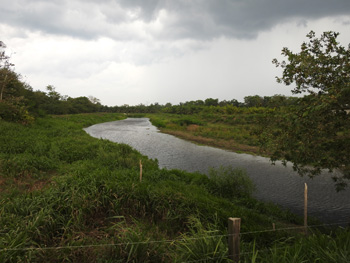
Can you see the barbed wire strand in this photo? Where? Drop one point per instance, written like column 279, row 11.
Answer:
column 292, row 228
column 163, row 241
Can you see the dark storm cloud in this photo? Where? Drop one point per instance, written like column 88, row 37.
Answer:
column 198, row 19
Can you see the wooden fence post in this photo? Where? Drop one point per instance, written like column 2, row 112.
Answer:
column 234, row 228
column 140, row 171
column 305, row 209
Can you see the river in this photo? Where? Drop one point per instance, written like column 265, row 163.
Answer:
column 275, row 183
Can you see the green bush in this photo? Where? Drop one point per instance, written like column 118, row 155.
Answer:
column 158, row 123
column 185, row 121
column 230, row 183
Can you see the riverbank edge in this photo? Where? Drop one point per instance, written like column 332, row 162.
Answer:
column 229, row 145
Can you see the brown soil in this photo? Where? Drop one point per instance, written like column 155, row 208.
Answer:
column 26, row 184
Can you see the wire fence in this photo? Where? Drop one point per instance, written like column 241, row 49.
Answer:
column 175, row 240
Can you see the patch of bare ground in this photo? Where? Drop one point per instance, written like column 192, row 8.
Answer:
column 230, row 145
column 24, row 184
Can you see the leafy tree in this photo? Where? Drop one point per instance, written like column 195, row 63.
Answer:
column 12, row 90
column 5, row 67
column 235, row 102
column 253, row 101
column 211, row 102
column 276, row 101
column 314, row 134
column 53, row 94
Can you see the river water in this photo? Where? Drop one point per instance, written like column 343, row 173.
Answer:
column 275, row 183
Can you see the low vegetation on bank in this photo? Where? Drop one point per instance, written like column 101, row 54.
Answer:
column 234, row 132
column 66, row 196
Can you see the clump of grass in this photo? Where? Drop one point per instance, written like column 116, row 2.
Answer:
column 318, row 247
column 204, row 244
column 230, row 183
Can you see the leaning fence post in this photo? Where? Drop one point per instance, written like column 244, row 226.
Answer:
column 140, row 171
column 305, row 209
column 234, row 227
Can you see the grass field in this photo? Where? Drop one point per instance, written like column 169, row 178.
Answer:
column 68, row 197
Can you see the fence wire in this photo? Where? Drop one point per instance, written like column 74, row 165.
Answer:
column 168, row 241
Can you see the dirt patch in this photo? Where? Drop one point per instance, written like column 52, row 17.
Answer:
column 192, row 127
column 24, row 184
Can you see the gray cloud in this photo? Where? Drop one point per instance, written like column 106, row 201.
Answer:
column 181, row 19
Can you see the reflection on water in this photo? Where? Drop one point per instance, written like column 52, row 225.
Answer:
column 275, row 183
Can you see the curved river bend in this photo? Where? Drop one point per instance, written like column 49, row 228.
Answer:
column 275, row 183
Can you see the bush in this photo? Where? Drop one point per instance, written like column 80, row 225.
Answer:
column 14, row 111
column 158, row 123
column 188, row 121
column 229, row 183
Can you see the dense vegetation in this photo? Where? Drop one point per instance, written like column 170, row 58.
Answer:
column 67, row 197
column 314, row 133
column 62, row 188
column 228, row 131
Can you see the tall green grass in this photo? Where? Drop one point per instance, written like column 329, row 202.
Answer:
column 68, row 197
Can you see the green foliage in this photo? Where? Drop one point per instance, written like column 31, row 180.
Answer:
column 314, row 133
column 229, row 131
column 317, row 247
column 185, row 121
column 253, row 101
column 92, row 198
column 15, row 110
column 230, row 183
column 18, row 101
column 204, row 244
column 158, row 122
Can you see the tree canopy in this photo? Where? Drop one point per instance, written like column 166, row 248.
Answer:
column 314, row 133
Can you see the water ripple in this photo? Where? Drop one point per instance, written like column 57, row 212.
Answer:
column 275, row 183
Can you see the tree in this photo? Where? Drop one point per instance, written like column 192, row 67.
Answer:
column 211, row 102
column 253, row 101
column 52, row 93
column 314, row 134
column 5, row 66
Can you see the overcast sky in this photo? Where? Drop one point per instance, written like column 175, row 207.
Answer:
column 147, row 51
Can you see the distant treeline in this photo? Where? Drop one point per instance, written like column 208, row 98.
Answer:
column 255, row 103
column 21, row 103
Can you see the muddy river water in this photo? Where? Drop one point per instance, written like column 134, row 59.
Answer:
column 275, row 183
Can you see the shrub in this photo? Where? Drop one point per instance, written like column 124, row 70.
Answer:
column 228, row 182
column 185, row 121
column 158, row 123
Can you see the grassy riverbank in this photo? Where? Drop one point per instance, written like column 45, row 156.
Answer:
column 230, row 132
column 68, row 197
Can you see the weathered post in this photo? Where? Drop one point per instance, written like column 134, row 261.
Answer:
column 234, row 228
column 305, row 209
column 140, row 171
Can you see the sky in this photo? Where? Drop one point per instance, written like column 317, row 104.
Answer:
column 146, row 51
